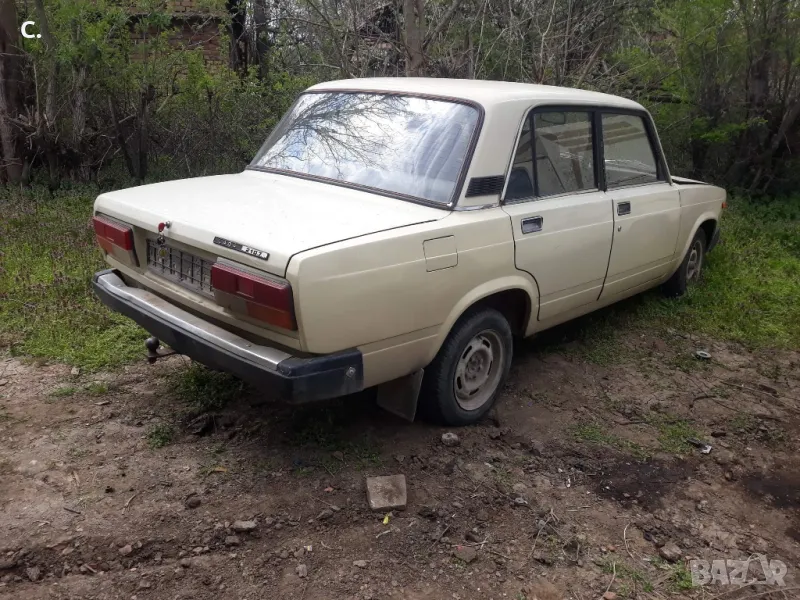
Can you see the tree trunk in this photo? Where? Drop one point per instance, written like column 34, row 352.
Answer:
column 262, row 45
column 10, row 97
column 414, row 18
column 238, row 56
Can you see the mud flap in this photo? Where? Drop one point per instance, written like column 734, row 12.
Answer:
column 400, row 396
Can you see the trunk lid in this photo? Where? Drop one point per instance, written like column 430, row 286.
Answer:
column 275, row 214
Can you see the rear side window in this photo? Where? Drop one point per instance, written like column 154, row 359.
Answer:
column 564, row 152
column 629, row 157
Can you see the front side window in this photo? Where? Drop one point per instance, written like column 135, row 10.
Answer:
column 398, row 144
column 560, row 160
column 628, row 154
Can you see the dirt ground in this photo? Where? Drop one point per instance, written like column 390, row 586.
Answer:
column 581, row 484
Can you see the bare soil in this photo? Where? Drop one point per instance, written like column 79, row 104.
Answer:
column 568, row 490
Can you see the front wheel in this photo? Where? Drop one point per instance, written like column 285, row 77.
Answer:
column 463, row 381
column 689, row 270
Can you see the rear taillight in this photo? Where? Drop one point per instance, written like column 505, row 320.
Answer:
column 115, row 238
column 261, row 298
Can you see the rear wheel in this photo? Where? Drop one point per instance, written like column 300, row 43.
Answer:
column 462, row 383
column 689, row 270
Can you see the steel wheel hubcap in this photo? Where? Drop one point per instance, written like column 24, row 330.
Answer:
column 478, row 370
column 695, row 261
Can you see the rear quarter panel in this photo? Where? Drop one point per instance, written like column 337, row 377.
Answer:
column 699, row 203
column 378, row 292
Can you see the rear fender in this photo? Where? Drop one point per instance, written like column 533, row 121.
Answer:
column 522, row 281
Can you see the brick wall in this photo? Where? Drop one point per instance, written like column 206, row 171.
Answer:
column 195, row 26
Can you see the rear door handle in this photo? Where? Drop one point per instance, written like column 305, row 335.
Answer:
column 623, row 208
column 532, row 224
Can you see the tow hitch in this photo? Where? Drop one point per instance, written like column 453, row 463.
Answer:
column 153, row 344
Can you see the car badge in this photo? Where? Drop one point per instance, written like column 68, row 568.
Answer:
column 255, row 252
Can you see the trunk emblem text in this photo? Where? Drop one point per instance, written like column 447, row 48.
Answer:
column 241, row 248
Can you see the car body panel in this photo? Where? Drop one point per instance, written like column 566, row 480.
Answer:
column 273, row 213
column 389, row 278
column 568, row 257
column 644, row 240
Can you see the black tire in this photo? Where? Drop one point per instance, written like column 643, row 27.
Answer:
column 479, row 338
column 690, row 269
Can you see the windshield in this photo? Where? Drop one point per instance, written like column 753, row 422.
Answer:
column 399, row 144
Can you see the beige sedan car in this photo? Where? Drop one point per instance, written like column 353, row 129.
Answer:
column 398, row 233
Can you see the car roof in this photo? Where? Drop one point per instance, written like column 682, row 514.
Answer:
column 486, row 93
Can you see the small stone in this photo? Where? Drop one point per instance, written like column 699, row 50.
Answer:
column 520, row 501
column 609, row 596
column 325, row 515
column 465, row 553
column 185, row 562
column 495, row 434
column 300, row 553
column 126, row 550
column 244, row 526
column 144, row 584
column 450, row 439
column 400, row 458
column 233, row 540
column 284, row 554
column 482, row 516
column 387, row 493
column 75, row 371
column 519, row 489
column 338, row 455
column 724, row 457
column 33, row 573
column 670, row 552
column 302, row 571
column 192, row 501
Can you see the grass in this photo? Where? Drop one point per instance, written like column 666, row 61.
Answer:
column 750, row 292
column 64, row 391
column 160, row 435
column 97, row 388
column 47, row 260
column 204, row 389
column 627, row 577
column 596, row 434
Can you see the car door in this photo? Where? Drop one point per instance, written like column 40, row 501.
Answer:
column 646, row 206
column 562, row 222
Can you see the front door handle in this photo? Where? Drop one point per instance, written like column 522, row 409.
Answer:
column 623, row 208
column 532, row 224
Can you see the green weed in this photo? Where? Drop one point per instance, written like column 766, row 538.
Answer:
column 160, row 435
column 64, row 391
column 594, row 433
column 49, row 256
column 204, row 389
column 97, row 388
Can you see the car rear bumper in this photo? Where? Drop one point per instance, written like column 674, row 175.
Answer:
column 295, row 379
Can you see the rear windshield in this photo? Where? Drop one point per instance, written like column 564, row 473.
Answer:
column 398, row 144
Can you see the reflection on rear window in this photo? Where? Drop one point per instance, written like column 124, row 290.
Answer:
column 400, row 144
